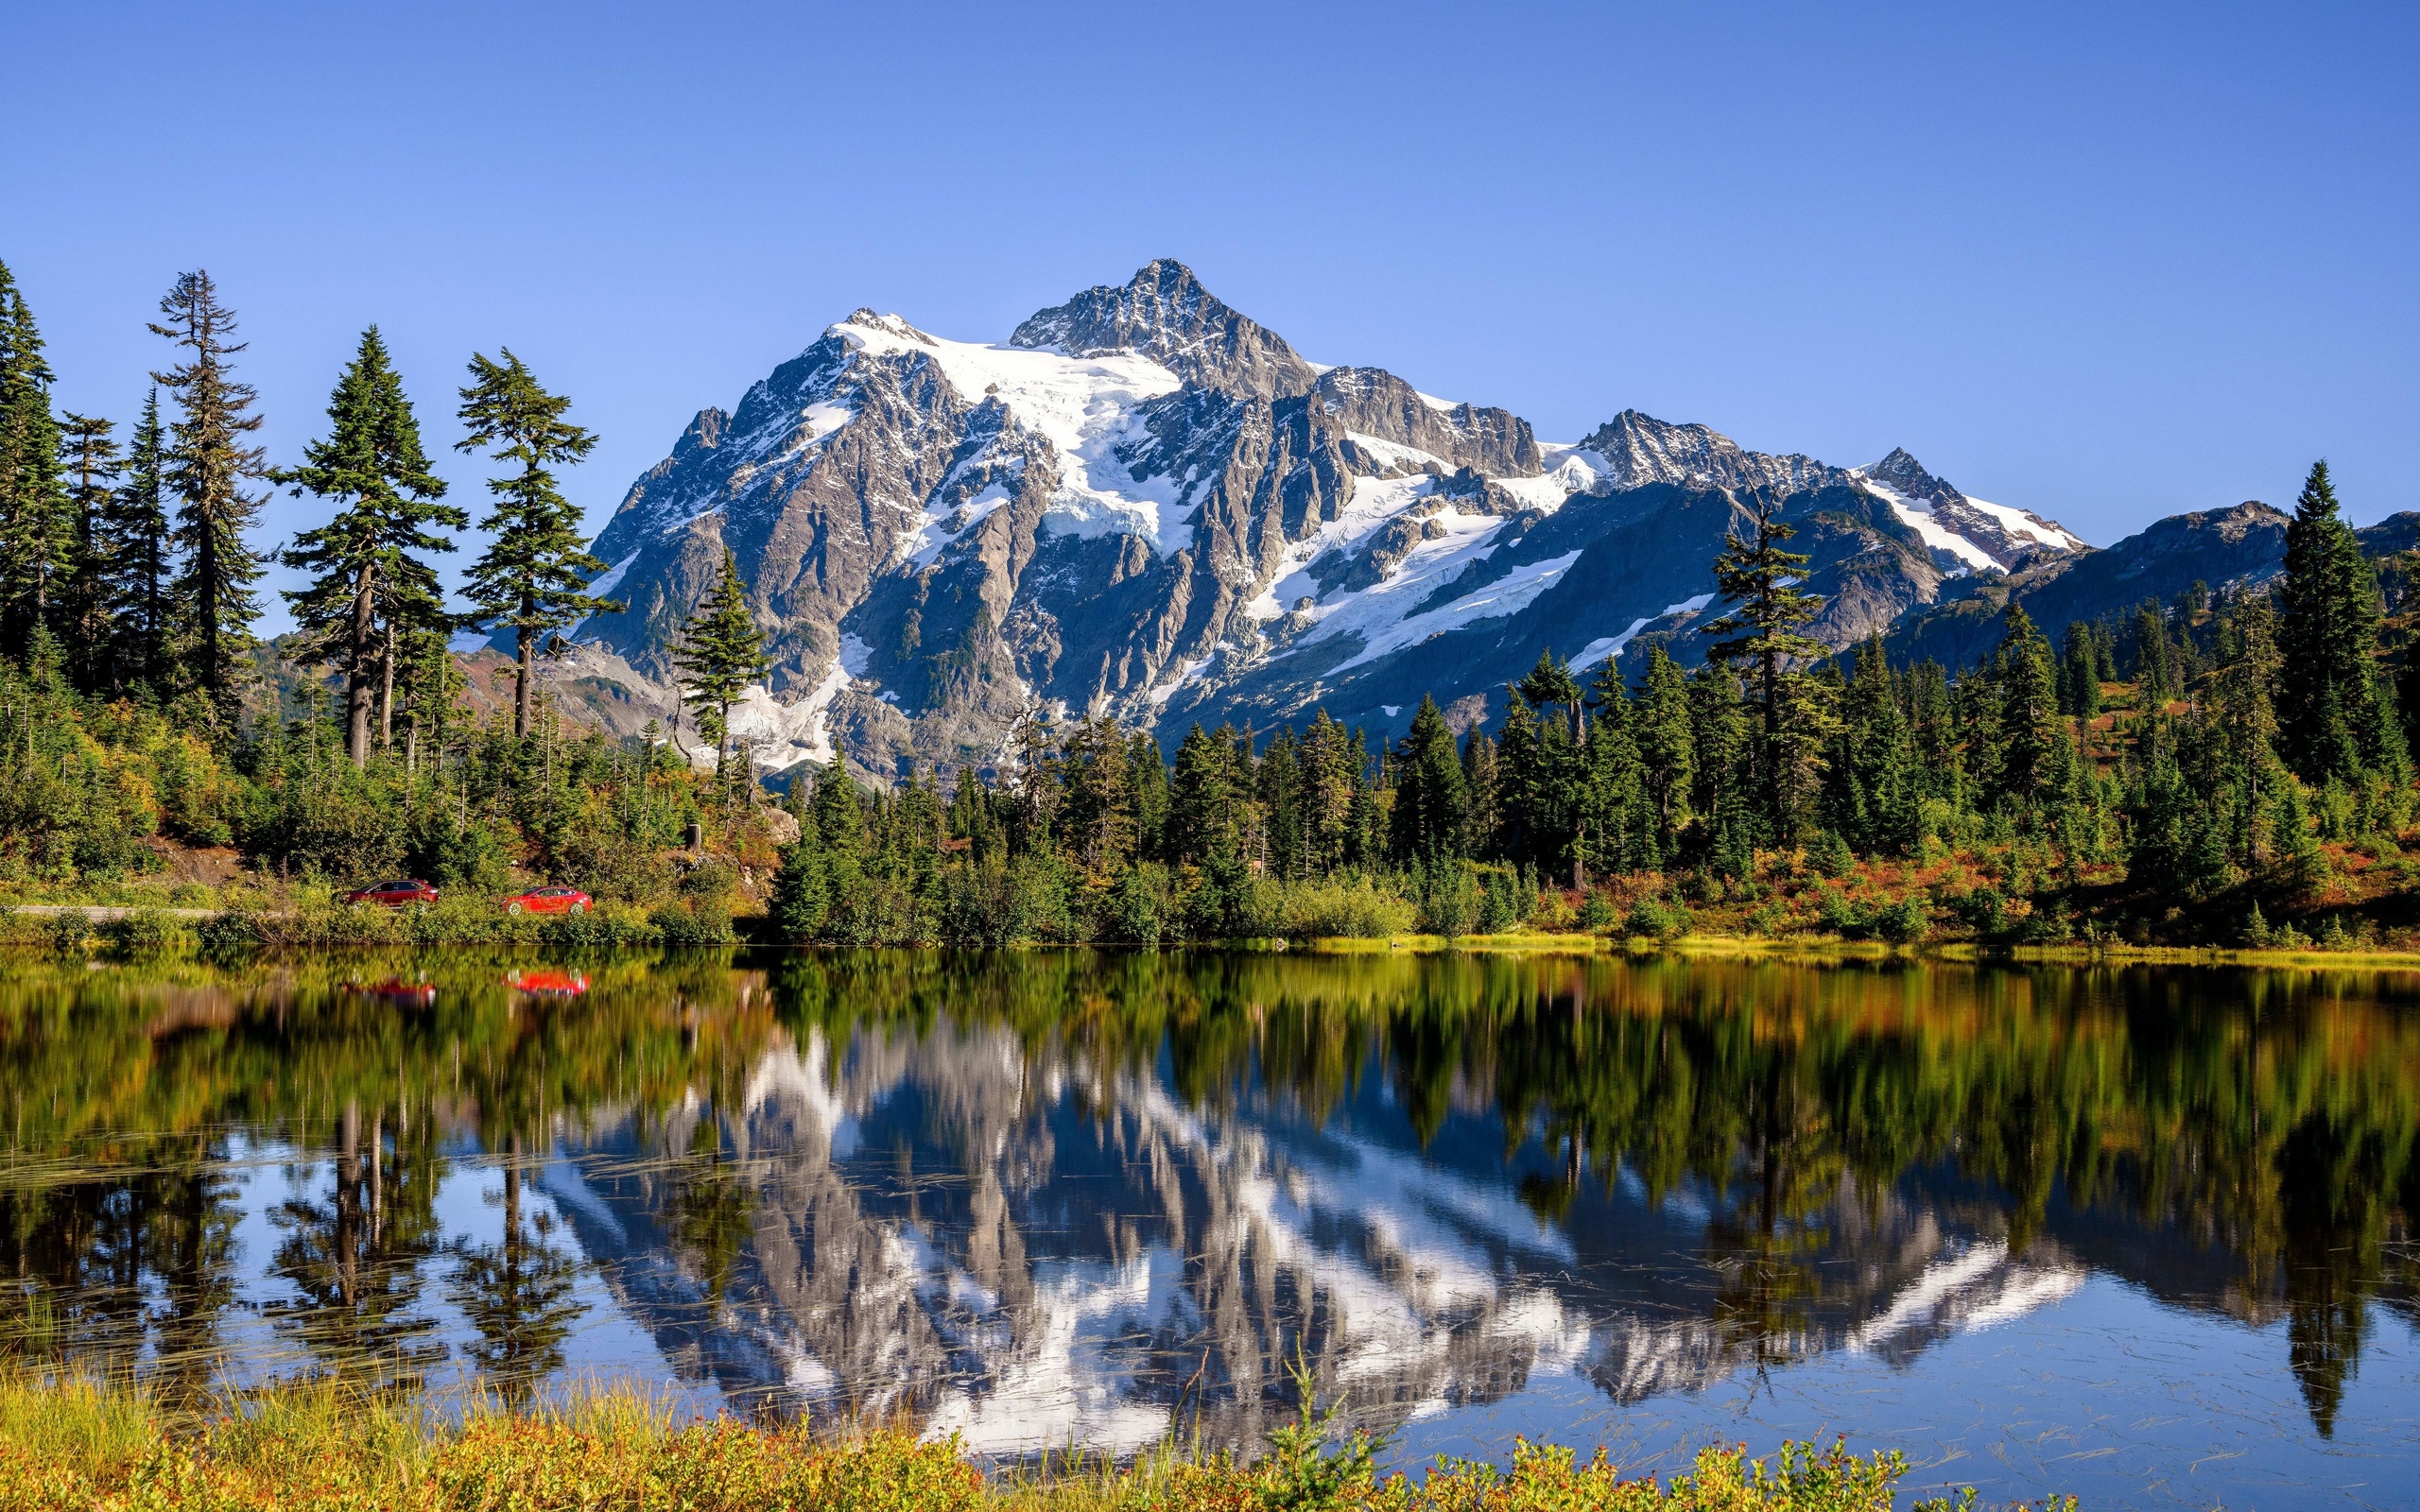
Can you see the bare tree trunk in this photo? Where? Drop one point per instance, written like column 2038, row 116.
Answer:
column 523, row 666
column 357, row 672
column 387, row 691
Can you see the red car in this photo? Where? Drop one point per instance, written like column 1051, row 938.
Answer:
column 402, row 894
column 549, row 900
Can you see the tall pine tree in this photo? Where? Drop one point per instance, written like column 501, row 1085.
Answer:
column 90, row 455
column 1764, row 585
column 1426, row 823
column 534, row 574
column 2327, row 624
column 138, row 548
column 720, row 652
column 371, row 584
column 37, row 520
column 209, row 461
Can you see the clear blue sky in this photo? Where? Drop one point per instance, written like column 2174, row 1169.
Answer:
column 2106, row 265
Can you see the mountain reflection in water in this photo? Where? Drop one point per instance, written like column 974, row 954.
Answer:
column 1047, row 1198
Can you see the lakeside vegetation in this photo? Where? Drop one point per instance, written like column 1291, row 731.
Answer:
column 2229, row 770
column 78, row 1447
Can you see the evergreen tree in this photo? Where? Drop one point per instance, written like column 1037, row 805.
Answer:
column 2033, row 736
column 536, row 570
column 370, row 584
column 137, row 544
column 1764, row 584
column 208, row 464
column 1719, row 735
column 1666, row 747
column 721, row 651
column 2079, row 674
column 2246, row 713
column 92, row 464
column 1426, row 824
column 37, row 517
column 1200, row 796
column 1480, row 774
column 2328, row 624
column 1331, row 777
column 1615, row 832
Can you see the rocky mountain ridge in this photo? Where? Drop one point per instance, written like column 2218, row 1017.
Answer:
column 1145, row 502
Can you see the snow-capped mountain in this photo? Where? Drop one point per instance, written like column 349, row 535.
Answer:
column 1146, row 503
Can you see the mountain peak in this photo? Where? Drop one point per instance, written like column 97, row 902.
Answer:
column 1163, row 313
column 1639, row 449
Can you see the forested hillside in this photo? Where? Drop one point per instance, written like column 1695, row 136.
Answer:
column 2225, row 765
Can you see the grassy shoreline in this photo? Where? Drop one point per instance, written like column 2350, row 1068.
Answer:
column 70, row 1443
column 142, row 931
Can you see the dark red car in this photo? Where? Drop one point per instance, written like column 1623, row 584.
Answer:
column 549, row 900
column 405, row 893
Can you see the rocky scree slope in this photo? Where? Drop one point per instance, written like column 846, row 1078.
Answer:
column 1146, row 503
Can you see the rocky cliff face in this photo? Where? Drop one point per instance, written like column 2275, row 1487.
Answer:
column 1146, row 503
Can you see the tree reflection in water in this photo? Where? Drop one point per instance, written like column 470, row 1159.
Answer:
column 1066, row 1194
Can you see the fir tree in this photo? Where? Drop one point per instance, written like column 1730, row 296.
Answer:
column 1764, row 584
column 138, row 546
column 1426, row 824
column 1667, row 745
column 1480, row 775
column 208, row 464
column 1200, row 815
column 721, row 651
column 2079, row 674
column 535, row 572
column 2327, row 623
column 2032, row 735
column 37, row 519
column 84, row 618
column 369, row 583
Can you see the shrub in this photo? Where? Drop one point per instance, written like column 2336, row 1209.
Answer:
column 1346, row 908
column 69, row 930
column 1904, row 922
column 693, row 924
column 1596, row 914
column 1838, row 916
column 140, row 932
column 229, row 932
column 1653, row 918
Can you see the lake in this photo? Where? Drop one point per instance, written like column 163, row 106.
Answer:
column 2143, row 1234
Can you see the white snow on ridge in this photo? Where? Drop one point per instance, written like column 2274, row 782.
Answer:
column 1394, row 453
column 611, row 578
column 1611, row 645
column 1084, row 406
column 1506, row 595
column 1937, row 536
column 933, row 534
column 2019, row 522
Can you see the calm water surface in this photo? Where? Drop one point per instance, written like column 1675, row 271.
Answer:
column 2145, row 1235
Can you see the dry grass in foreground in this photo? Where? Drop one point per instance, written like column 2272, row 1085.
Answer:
column 76, row 1445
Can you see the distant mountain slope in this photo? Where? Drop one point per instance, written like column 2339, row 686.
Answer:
column 1146, row 503
column 2245, row 544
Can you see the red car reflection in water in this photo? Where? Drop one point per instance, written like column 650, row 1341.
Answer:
column 547, row 983
column 402, row 893
column 549, row 900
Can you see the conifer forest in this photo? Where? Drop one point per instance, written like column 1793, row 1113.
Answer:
column 2231, row 768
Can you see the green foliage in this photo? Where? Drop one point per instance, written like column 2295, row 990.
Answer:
column 1652, row 918
column 533, row 578
column 371, row 584
column 208, row 465
column 721, row 651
